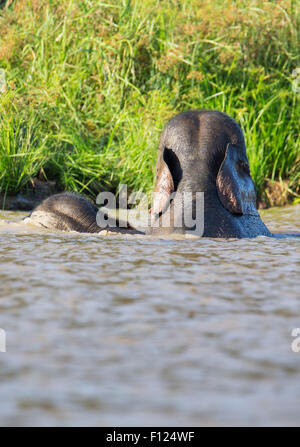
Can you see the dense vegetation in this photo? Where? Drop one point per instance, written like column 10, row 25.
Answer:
column 90, row 84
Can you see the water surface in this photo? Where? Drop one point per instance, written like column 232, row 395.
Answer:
column 130, row 330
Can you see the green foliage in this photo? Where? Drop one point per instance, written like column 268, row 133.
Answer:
column 90, row 84
column 23, row 151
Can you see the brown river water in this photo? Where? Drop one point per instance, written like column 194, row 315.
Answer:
column 137, row 331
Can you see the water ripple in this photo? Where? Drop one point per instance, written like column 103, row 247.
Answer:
column 130, row 330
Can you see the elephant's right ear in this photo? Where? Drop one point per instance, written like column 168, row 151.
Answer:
column 235, row 186
column 168, row 177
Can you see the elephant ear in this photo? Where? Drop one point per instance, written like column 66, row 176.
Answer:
column 167, row 180
column 235, row 187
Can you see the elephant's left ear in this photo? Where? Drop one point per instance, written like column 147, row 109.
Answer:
column 235, row 187
column 162, row 191
column 168, row 178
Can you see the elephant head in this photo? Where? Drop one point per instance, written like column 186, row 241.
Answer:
column 204, row 152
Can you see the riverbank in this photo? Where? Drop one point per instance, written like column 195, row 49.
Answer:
column 86, row 88
column 276, row 194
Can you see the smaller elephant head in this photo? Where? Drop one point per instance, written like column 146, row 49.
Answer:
column 204, row 151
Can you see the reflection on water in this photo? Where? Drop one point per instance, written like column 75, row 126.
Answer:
column 130, row 330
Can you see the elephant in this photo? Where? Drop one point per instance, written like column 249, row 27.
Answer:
column 204, row 151
column 70, row 212
column 200, row 151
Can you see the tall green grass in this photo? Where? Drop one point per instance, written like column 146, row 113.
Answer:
column 22, row 149
column 90, row 85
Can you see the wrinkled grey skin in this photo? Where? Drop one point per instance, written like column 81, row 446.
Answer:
column 71, row 212
column 199, row 151
column 193, row 150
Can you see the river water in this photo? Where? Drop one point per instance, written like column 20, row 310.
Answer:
column 132, row 330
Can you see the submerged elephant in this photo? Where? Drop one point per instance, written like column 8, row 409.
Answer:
column 199, row 152
column 70, row 212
